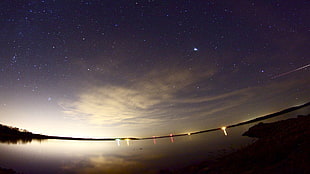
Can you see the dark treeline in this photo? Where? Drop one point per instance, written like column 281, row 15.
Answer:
column 13, row 135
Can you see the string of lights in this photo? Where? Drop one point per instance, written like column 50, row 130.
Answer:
column 223, row 128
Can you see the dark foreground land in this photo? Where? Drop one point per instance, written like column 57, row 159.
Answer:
column 282, row 147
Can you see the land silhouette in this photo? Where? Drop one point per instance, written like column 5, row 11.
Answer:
column 281, row 147
column 13, row 135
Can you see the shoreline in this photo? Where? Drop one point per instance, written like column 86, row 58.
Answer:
column 281, row 147
column 12, row 134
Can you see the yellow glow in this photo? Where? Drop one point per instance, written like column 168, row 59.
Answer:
column 127, row 141
column 188, row 133
column 224, row 130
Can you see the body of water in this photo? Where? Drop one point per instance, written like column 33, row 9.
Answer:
column 134, row 156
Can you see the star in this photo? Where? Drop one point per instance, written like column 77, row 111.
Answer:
column 140, row 63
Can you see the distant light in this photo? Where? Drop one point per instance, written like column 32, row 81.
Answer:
column 118, row 141
column 195, row 49
column 170, row 135
column 171, row 138
column 127, row 141
column 224, row 130
column 188, row 133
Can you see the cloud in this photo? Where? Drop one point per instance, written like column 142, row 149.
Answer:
column 144, row 101
column 159, row 98
column 110, row 105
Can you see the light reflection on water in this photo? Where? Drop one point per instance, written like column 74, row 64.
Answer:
column 61, row 156
column 145, row 156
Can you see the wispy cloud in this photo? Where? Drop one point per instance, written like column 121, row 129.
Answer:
column 155, row 99
column 145, row 101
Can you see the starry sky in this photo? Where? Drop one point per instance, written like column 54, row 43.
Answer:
column 151, row 67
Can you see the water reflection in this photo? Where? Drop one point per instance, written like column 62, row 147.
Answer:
column 123, row 156
column 224, row 130
column 132, row 156
column 19, row 140
column 171, row 138
column 111, row 164
column 118, row 142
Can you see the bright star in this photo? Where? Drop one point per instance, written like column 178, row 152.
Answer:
column 195, row 49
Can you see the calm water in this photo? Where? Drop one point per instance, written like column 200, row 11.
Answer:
column 147, row 156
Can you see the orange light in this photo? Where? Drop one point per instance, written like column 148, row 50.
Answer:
column 224, row 130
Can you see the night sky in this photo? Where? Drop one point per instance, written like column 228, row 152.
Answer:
column 151, row 67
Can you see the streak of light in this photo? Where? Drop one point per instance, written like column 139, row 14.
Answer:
column 289, row 72
column 171, row 138
column 118, row 142
column 127, row 141
column 154, row 139
column 224, row 130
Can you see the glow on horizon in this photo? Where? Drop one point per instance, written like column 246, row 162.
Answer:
column 139, row 77
column 82, row 129
column 154, row 137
